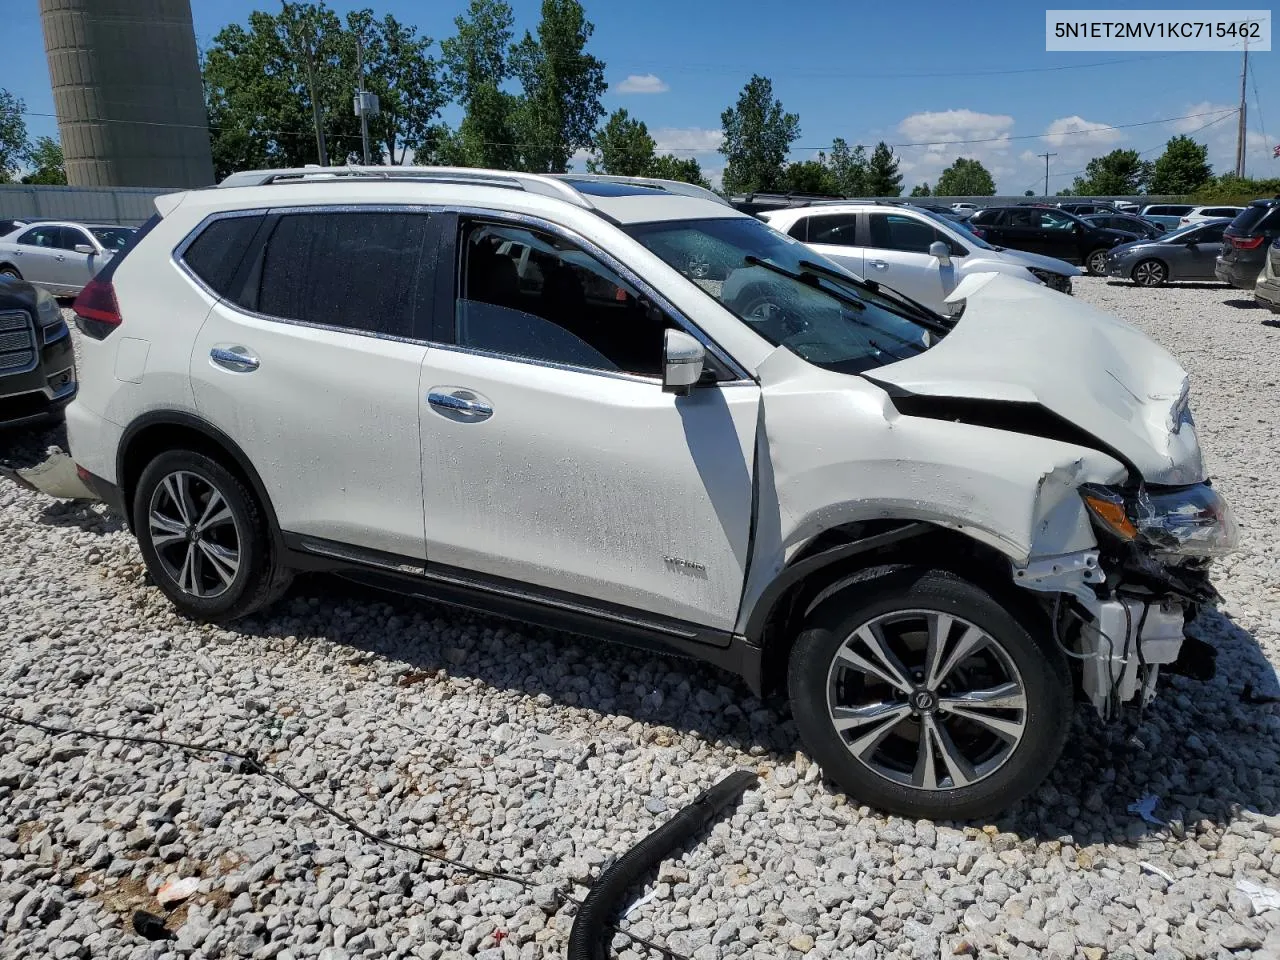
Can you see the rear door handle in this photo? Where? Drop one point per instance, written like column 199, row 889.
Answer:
column 236, row 359
column 459, row 404
column 60, row 258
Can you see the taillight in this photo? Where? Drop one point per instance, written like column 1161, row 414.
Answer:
column 96, row 310
column 978, row 232
column 1245, row 243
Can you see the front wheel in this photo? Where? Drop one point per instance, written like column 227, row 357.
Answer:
column 919, row 693
column 204, row 538
column 10, row 272
column 1096, row 262
column 1149, row 273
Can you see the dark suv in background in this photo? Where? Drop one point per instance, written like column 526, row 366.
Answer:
column 1050, row 231
column 1245, row 242
column 37, row 360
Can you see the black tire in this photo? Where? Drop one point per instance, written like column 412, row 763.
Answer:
column 258, row 579
column 1149, row 273
column 1092, row 261
column 1041, row 670
column 8, row 271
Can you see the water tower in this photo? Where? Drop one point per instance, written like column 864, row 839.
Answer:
column 126, row 85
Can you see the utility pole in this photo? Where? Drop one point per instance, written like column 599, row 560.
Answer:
column 360, row 98
column 321, row 153
column 1242, row 129
column 1046, row 170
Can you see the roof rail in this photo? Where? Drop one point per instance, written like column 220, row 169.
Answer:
column 543, row 185
column 670, row 186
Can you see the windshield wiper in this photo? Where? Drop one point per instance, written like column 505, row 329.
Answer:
column 922, row 314
column 806, row 276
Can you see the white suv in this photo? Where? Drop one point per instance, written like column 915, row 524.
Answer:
column 623, row 408
column 916, row 252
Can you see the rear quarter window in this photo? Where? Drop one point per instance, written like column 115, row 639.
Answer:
column 215, row 254
column 1253, row 218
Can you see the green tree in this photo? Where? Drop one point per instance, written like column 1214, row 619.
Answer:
column 758, row 134
column 1119, row 173
column 921, row 190
column 668, row 167
column 623, row 147
column 883, row 178
column 1182, row 168
column 1029, row 193
column 810, row 176
column 476, row 66
column 1237, row 191
column 398, row 68
column 13, row 134
column 965, row 178
column 562, row 86
column 849, row 167
column 45, row 157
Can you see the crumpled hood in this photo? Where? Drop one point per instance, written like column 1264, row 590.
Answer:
column 1021, row 343
column 1037, row 260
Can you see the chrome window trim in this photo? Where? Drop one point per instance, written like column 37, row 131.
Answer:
column 624, row 271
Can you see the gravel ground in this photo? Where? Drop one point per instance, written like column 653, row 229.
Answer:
column 545, row 755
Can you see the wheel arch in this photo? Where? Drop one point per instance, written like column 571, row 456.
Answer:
column 848, row 553
column 153, row 433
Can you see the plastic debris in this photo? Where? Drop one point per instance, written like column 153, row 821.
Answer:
column 641, row 902
column 177, row 890
column 1262, row 898
column 1152, row 868
column 1146, row 809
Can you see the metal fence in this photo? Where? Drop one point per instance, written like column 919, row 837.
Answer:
column 125, row 205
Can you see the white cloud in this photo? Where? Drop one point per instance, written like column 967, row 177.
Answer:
column 1075, row 130
column 935, row 128
column 686, row 140
column 642, row 83
column 1220, row 137
column 578, row 161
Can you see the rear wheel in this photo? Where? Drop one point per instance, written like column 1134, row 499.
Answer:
column 204, row 538
column 1149, row 273
column 920, row 694
column 8, row 271
column 1096, row 262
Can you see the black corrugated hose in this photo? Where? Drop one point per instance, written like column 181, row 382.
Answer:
column 588, row 939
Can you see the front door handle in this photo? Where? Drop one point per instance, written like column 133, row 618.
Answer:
column 236, row 359
column 60, row 258
column 878, row 264
column 459, row 404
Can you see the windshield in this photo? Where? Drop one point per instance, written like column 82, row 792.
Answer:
column 760, row 276
column 112, row 238
column 960, row 225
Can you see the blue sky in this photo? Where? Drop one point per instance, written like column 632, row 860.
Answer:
column 841, row 67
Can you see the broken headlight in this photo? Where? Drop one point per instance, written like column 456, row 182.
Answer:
column 1192, row 521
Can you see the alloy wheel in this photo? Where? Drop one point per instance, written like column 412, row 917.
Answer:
column 195, row 534
column 1149, row 273
column 1098, row 263
column 926, row 699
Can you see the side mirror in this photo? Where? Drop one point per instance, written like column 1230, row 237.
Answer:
column 940, row 252
column 84, row 248
column 682, row 360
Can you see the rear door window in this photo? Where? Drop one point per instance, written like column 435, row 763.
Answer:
column 800, row 229
column 1211, row 234
column 365, row 272
column 837, row 229
column 48, row 237
column 215, row 254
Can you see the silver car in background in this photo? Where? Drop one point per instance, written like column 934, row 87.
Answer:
column 58, row 255
column 1186, row 254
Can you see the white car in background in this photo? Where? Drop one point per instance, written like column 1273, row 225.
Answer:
column 60, row 256
column 1200, row 214
column 911, row 250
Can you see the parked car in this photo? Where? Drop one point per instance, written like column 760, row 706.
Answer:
column 10, row 224
column 1267, row 291
column 1051, row 232
column 1126, row 206
column 742, row 453
column 1244, row 244
column 911, row 250
column 1187, row 254
column 1199, row 214
column 60, row 256
column 1083, row 209
column 1168, row 214
column 1142, row 229
column 37, row 361
column 965, row 208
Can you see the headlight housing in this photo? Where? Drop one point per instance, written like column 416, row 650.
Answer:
column 1192, row 521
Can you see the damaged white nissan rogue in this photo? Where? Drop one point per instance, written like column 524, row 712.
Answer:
column 622, row 408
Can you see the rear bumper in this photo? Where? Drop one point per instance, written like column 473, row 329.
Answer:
column 1240, row 275
column 1267, row 292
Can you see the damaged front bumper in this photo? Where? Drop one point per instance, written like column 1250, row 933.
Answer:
column 1122, row 610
